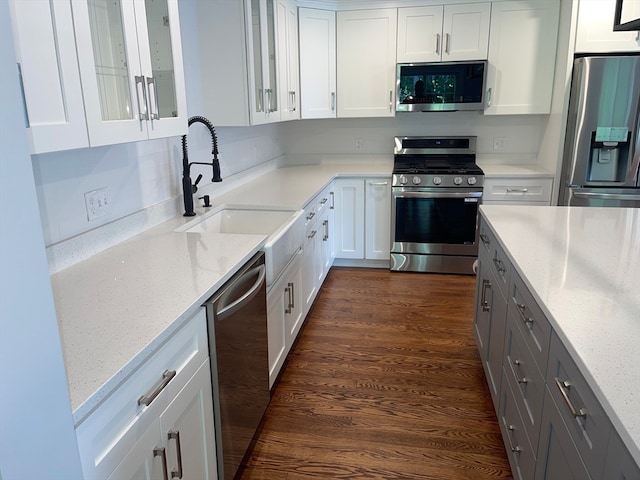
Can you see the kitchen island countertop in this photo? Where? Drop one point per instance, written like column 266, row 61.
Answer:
column 582, row 265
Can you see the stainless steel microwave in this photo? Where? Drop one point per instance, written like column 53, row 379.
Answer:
column 441, row 86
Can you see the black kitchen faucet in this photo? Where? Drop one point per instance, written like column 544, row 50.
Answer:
column 188, row 188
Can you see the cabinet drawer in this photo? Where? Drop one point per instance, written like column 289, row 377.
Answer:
column 487, row 240
column 526, row 381
column 535, row 328
column 580, row 410
column 323, row 201
column 112, row 430
column 518, row 189
column 522, row 457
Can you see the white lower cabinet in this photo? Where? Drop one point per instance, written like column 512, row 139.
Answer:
column 285, row 314
column 159, row 422
column 362, row 218
column 506, row 190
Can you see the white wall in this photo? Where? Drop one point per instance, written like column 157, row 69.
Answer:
column 37, row 440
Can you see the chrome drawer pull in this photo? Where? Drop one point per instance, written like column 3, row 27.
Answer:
column 516, row 449
column 311, row 215
column 323, row 201
column 175, row 435
column 499, row 265
column 563, row 386
column 524, row 380
column 292, row 302
column 161, row 452
column 521, row 309
column 517, row 190
column 312, row 234
column 147, row 398
column 485, row 239
column 483, row 298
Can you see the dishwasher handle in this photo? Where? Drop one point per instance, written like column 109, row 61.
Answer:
column 233, row 307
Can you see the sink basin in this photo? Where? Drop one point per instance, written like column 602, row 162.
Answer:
column 284, row 230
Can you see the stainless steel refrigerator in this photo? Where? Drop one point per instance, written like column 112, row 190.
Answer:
column 602, row 144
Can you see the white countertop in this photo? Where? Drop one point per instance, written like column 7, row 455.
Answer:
column 115, row 308
column 582, row 264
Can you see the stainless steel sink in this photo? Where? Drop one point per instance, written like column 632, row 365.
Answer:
column 284, row 230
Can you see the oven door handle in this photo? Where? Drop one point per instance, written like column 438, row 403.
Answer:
column 414, row 193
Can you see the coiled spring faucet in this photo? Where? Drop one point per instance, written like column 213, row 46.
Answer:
column 188, row 188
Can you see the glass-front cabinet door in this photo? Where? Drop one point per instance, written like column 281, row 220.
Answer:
column 132, row 80
column 261, row 35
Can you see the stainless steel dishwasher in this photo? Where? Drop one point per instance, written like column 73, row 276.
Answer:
column 237, row 324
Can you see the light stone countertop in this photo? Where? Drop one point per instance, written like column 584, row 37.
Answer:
column 582, row 264
column 117, row 307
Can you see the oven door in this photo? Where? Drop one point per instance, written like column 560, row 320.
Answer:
column 438, row 221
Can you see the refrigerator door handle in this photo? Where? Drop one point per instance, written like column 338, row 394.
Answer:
column 606, row 196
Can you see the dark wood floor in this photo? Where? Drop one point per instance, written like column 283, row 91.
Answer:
column 384, row 382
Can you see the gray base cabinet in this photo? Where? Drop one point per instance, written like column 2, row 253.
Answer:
column 552, row 424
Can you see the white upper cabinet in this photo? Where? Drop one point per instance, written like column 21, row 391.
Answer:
column 288, row 66
column 48, row 67
column 130, row 59
column 443, row 33
column 595, row 27
column 366, row 61
column 522, row 53
column 317, row 62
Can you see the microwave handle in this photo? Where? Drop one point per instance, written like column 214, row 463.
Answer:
column 489, row 96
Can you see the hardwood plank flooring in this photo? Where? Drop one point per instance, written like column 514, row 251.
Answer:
column 384, row 382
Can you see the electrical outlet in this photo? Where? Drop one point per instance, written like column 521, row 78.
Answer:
column 96, row 203
column 359, row 144
column 499, row 143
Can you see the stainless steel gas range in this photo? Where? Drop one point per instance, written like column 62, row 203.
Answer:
column 436, row 192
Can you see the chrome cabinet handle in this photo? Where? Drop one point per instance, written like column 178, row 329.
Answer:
column 517, row 448
column 483, row 298
column 517, row 190
column 147, row 398
column 311, row 215
column 524, row 380
column 485, row 239
column 326, row 230
column 447, row 41
column 292, row 291
column 323, row 201
column 499, row 265
column 312, row 234
column 333, row 101
column 378, row 184
column 175, row 435
column 287, row 292
column 563, row 386
column 27, row 122
column 521, row 308
column 437, row 44
column 161, row 452
column 489, row 95
column 154, row 115
column 295, row 107
column 140, row 81
column 391, row 100
column 333, row 201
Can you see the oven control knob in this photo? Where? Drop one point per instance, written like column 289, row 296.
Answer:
column 457, row 180
column 471, row 180
column 403, row 180
column 437, row 180
column 417, row 180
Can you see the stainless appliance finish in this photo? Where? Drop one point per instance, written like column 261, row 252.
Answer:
column 440, row 86
column 436, row 191
column 602, row 147
column 237, row 324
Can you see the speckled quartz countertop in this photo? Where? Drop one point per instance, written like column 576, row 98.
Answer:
column 582, row 264
column 115, row 308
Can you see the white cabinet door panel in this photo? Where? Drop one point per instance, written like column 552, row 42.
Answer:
column 366, row 62
column 378, row 219
column 419, row 34
column 465, row 32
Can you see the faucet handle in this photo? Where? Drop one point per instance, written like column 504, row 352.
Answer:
column 206, row 199
column 194, row 187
